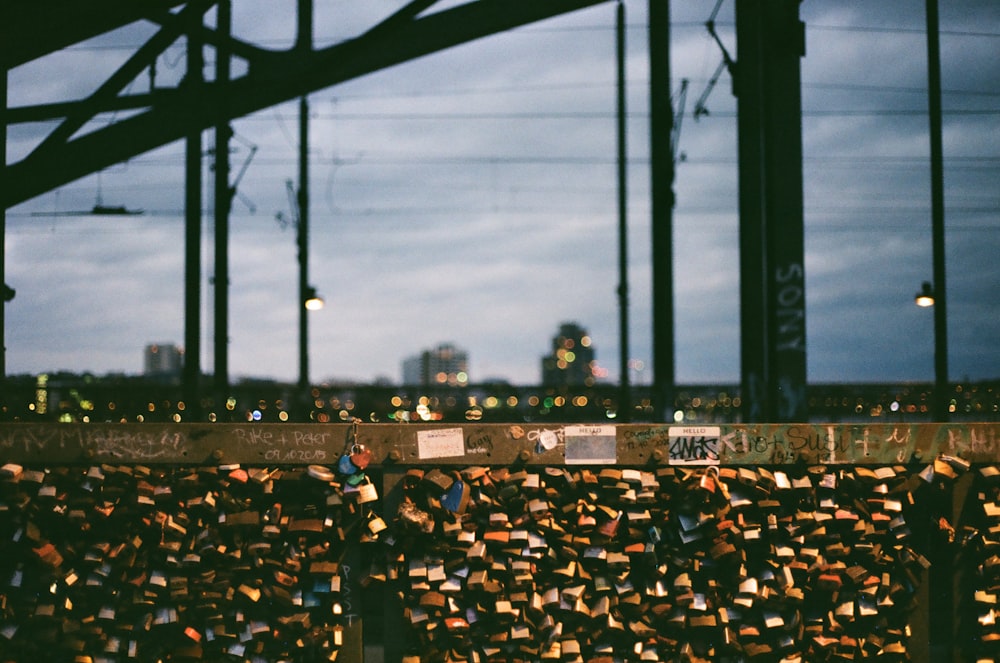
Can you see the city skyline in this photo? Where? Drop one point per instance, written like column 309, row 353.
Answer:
column 470, row 195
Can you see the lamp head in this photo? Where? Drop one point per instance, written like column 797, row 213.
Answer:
column 925, row 297
column 312, row 301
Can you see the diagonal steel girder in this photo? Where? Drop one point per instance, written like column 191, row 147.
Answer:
column 35, row 28
column 272, row 78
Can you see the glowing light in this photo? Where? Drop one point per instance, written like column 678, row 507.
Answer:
column 311, row 300
column 925, row 298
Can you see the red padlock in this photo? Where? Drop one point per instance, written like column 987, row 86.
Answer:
column 361, row 456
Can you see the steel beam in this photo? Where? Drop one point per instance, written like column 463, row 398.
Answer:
column 267, row 83
column 770, row 42
column 34, row 29
column 661, row 126
column 192, row 238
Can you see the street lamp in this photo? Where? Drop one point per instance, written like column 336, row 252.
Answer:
column 925, row 298
column 312, row 301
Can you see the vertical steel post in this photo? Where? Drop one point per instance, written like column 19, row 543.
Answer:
column 192, row 235
column 770, row 42
column 304, row 44
column 3, row 226
column 625, row 397
column 748, row 88
column 941, row 403
column 661, row 123
column 941, row 580
column 302, row 236
column 786, row 303
column 223, row 202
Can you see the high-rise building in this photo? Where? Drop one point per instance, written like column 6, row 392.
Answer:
column 163, row 360
column 572, row 360
column 445, row 364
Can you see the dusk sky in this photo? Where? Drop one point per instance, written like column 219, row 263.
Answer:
column 470, row 197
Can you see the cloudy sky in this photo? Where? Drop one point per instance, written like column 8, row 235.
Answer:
column 470, row 197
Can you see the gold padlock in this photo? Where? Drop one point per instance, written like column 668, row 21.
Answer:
column 367, row 492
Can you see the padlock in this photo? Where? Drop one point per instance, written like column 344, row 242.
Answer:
column 357, row 479
column 456, row 498
column 346, row 466
column 376, row 525
column 360, row 456
column 367, row 492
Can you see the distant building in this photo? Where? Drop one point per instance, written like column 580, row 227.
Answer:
column 163, row 360
column 572, row 360
column 445, row 364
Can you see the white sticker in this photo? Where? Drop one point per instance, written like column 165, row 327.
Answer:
column 587, row 445
column 443, row 443
column 694, row 445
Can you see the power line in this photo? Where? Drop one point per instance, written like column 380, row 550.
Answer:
column 899, row 30
column 610, row 114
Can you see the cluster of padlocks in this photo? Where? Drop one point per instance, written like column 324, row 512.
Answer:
column 514, row 563
column 980, row 537
column 669, row 564
column 114, row 563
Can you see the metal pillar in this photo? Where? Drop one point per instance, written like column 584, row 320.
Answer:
column 192, row 236
column 941, row 586
column 304, row 43
column 771, row 41
column 661, row 122
column 625, row 398
column 223, row 203
column 3, row 227
column 940, row 405
column 302, row 236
